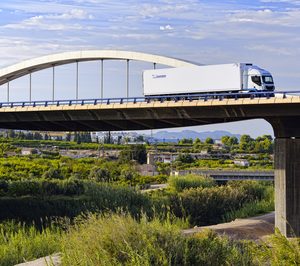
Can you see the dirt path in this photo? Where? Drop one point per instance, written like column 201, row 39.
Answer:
column 255, row 228
column 53, row 260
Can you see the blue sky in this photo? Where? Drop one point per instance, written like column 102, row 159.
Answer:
column 265, row 32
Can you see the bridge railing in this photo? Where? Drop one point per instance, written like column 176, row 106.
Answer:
column 149, row 99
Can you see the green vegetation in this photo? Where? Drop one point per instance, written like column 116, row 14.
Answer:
column 93, row 212
column 180, row 183
column 31, row 188
column 277, row 250
column 19, row 242
column 146, row 232
column 263, row 203
column 183, row 162
column 209, row 205
column 121, row 240
column 134, row 152
column 70, row 199
column 20, row 168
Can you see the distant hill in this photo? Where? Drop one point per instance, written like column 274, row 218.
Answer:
column 175, row 136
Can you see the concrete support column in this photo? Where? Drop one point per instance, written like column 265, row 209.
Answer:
column 287, row 186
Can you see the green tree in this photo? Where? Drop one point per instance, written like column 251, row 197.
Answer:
column 53, row 173
column 107, row 138
column 128, row 175
column 197, row 141
column 68, row 136
column 100, row 174
column 11, row 133
column 5, row 147
column 246, row 143
column 140, row 138
column 209, row 141
column 134, row 152
column 263, row 144
column 185, row 158
column 186, row 141
column 233, row 141
column 225, row 139
column 37, row 136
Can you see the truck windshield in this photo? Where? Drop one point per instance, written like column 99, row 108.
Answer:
column 256, row 80
column 268, row 79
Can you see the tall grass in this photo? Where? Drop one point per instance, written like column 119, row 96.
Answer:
column 277, row 250
column 118, row 239
column 253, row 208
column 19, row 243
column 97, row 197
column 179, row 183
column 121, row 240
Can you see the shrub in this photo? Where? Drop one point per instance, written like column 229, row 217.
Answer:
column 19, row 243
column 179, row 183
column 202, row 206
column 3, row 187
column 147, row 180
column 72, row 187
column 277, row 250
column 52, row 173
column 253, row 189
column 120, row 240
column 259, row 205
column 49, row 188
column 100, row 174
column 185, row 158
column 21, row 188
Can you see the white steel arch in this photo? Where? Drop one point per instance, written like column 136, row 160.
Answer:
column 26, row 67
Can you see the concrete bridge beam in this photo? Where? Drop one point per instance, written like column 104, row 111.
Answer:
column 287, row 175
column 287, row 186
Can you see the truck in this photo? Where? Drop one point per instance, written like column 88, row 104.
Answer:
column 221, row 78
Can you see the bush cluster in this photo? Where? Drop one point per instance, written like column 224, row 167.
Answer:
column 20, row 243
column 179, row 183
column 203, row 203
column 95, row 197
column 121, row 240
column 41, row 187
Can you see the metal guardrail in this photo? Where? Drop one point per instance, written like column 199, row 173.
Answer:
column 149, row 99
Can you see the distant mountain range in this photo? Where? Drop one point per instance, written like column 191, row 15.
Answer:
column 175, row 136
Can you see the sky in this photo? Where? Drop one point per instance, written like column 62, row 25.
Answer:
column 263, row 32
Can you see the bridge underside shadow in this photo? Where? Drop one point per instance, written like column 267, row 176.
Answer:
column 107, row 120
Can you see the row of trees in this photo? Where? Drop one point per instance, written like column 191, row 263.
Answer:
column 263, row 144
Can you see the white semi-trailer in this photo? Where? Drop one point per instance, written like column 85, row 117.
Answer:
column 238, row 77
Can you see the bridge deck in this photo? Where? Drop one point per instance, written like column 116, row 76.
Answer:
column 116, row 114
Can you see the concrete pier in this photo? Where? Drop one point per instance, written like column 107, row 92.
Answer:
column 287, row 186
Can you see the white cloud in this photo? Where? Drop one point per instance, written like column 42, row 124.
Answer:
column 288, row 18
column 271, row 49
column 72, row 14
column 51, row 21
column 293, row 2
column 167, row 27
column 38, row 22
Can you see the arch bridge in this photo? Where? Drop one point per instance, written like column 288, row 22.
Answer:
column 137, row 113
